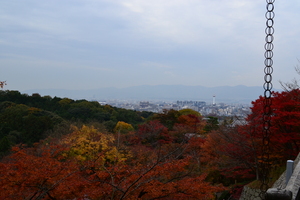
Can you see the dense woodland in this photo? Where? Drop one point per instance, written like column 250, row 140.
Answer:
column 27, row 119
column 59, row 148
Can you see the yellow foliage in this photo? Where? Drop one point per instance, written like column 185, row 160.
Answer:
column 88, row 143
column 123, row 127
column 65, row 101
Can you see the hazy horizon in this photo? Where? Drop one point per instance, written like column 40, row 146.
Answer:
column 223, row 94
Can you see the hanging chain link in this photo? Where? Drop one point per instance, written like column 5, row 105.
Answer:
column 265, row 159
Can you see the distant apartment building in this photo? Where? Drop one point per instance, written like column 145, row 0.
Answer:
column 218, row 109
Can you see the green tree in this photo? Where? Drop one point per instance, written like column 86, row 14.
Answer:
column 168, row 118
column 212, row 123
column 188, row 111
column 5, row 145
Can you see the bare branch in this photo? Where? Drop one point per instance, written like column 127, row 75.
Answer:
column 2, row 83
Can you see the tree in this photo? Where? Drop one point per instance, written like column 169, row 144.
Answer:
column 87, row 143
column 168, row 118
column 50, row 171
column 123, row 127
column 33, row 173
column 212, row 123
column 284, row 132
column 227, row 152
column 187, row 126
column 195, row 151
column 65, row 102
column 188, row 111
column 121, row 131
column 153, row 133
column 193, row 123
column 153, row 175
column 57, row 169
column 31, row 122
column 5, row 145
column 2, row 83
column 239, row 146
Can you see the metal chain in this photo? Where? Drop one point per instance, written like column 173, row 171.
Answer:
column 265, row 160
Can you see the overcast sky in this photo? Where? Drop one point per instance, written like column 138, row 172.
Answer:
column 89, row 44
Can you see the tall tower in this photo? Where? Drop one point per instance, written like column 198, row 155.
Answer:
column 214, row 100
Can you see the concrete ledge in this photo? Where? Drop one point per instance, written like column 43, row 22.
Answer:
column 278, row 194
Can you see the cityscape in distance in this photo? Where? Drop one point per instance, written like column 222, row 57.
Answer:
column 221, row 101
column 206, row 109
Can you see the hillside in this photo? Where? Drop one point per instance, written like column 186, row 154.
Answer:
column 27, row 119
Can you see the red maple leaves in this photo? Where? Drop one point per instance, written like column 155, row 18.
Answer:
column 49, row 170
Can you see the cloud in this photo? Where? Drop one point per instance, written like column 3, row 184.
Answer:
column 156, row 65
column 187, row 21
column 134, row 42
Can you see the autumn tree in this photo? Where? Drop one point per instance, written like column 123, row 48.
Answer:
column 123, row 127
column 232, row 151
column 151, row 174
column 87, row 143
column 237, row 148
column 32, row 173
column 63, row 169
column 153, row 133
column 122, row 133
column 193, row 123
column 285, row 123
column 194, row 148
column 168, row 117
column 2, row 84
column 56, row 169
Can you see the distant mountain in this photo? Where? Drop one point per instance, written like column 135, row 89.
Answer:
column 225, row 94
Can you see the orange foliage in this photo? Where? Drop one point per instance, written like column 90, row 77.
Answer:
column 44, row 172
column 192, row 123
column 30, row 173
column 236, row 150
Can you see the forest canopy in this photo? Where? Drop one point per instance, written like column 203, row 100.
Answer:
column 59, row 148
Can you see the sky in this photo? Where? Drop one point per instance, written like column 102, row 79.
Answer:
column 90, row 44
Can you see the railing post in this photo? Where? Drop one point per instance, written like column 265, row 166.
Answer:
column 289, row 170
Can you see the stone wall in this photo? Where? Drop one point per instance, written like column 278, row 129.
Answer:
column 293, row 185
column 250, row 194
